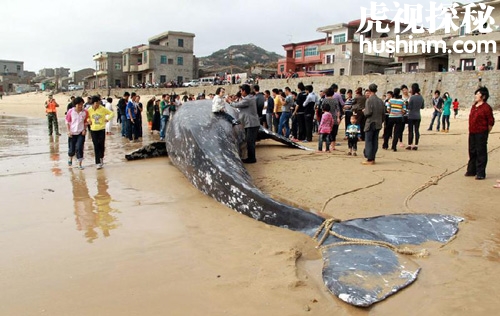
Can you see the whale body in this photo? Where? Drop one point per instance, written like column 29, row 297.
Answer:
column 361, row 264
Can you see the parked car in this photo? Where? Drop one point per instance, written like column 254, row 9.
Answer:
column 191, row 83
column 73, row 87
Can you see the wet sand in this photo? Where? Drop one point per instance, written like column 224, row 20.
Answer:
column 137, row 239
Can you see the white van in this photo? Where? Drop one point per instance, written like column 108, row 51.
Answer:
column 207, row 81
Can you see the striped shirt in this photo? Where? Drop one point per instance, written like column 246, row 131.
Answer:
column 396, row 108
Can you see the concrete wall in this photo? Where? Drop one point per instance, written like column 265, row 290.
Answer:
column 460, row 85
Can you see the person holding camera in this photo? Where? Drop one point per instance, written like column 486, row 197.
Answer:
column 249, row 119
column 51, row 110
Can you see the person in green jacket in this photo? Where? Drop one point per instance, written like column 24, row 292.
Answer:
column 165, row 114
column 446, row 112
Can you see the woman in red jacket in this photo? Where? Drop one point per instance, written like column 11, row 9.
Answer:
column 481, row 121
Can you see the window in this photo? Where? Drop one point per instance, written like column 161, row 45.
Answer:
column 180, row 61
column 298, row 53
column 118, row 66
column 344, row 47
column 412, row 67
column 145, row 57
column 170, row 61
column 311, row 51
column 180, row 79
column 180, row 42
column 468, row 64
column 282, row 68
column 163, row 59
column 163, row 79
column 18, row 67
column 462, row 30
column 124, row 60
column 339, row 38
column 330, row 59
column 342, row 71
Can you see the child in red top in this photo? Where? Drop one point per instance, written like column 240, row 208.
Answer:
column 455, row 107
column 325, row 127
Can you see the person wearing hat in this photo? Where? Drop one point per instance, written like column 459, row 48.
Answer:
column 51, row 110
column 98, row 117
column 374, row 113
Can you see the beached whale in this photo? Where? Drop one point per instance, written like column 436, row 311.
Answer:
column 365, row 259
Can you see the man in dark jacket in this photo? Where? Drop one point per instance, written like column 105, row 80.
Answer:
column 259, row 100
column 374, row 113
column 250, row 120
column 122, row 105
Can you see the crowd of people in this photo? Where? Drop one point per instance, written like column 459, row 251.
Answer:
column 295, row 115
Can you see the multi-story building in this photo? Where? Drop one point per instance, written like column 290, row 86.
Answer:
column 487, row 40
column 11, row 72
column 77, row 77
column 11, row 67
column 344, row 54
column 301, row 58
column 61, row 72
column 109, row 70
column 46, row 72
column 167, row 57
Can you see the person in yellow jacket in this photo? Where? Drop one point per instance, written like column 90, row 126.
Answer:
column 98, row 117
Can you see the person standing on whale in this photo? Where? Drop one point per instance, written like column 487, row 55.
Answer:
column 250, row 120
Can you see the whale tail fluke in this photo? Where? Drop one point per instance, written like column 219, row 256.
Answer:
column 366, row 260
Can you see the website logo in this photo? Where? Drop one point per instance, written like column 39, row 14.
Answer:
column 409, row 19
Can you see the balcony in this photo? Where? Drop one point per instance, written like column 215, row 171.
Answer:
column 492, row 36
column 286, row 60
column 328, row 48
column 144, row 67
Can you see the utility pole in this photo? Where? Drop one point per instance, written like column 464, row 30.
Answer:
column 231, row 62
column 96, row 69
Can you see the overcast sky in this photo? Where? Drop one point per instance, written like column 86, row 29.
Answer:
column 67, row 33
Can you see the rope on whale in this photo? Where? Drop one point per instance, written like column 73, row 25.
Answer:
column 327, row 226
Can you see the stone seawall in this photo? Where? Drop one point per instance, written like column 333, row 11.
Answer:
column 460, row 85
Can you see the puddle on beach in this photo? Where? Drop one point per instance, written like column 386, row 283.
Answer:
column 26, row 150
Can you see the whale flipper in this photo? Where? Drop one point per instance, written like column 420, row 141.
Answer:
column 156, row 149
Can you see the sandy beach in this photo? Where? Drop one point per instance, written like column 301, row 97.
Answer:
column 136, row 238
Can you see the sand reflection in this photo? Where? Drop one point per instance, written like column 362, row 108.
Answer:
column 55, row 155
column 92, row 214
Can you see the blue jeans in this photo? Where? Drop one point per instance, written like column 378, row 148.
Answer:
column 371, row 142
column 284, row 122
column 163, row 128
column 324, row 138
column 446, row 122
column 131, row 132
column 434, row 115
column 124, row 125
column 75, row 145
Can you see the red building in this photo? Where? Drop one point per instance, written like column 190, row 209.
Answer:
column 301, row 58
